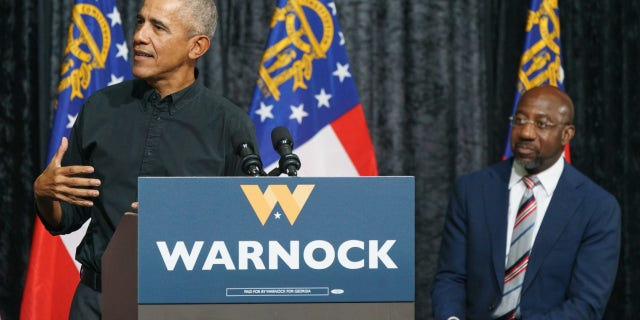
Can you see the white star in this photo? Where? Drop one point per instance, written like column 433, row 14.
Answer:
column 115, row 17
column 72, row 120
column 264, row 112
column 323, row 99
column 298, row 113
column 341, row 38
column 123, row 51
column 332, row 5
column 342, row 71
column 277, row 215
column 115, row 80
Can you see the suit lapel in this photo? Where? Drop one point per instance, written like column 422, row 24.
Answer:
column 496, row 193
column 562, row 207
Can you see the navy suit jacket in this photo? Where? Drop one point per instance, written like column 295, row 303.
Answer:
column 573, row 262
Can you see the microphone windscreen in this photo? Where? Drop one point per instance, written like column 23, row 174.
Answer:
column 280, row 133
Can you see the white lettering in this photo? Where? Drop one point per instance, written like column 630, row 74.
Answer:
column 250, row 250
column 218, row 248
column 291, row 258
column 382, row 254
column 329, row 254
column 179, row 252
column 317, row 254
column 343, row 254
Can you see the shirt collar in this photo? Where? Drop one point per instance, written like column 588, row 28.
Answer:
column 548, row 178
column 174, row 100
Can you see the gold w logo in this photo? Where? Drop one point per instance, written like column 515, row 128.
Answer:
column 291, row 203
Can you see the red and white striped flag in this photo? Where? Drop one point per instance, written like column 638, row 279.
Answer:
column 96, row 35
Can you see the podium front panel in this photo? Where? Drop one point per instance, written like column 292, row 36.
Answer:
column 275, row 240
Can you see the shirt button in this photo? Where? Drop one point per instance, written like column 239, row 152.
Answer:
column 158, row 118
column 149, row 153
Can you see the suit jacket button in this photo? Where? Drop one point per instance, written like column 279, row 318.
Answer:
column 491, row 307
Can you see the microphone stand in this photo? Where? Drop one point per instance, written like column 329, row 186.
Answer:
column 290, row 163
column 275, row 172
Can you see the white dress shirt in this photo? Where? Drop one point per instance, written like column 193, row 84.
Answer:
column 542, row 192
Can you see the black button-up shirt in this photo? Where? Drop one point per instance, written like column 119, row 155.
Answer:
column 126, row 131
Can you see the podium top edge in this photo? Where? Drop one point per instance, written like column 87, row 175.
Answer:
column 283, row 177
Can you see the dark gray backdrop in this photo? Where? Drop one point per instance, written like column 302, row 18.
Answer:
column 436, row 79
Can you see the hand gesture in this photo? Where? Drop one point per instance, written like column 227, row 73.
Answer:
column 58, row 183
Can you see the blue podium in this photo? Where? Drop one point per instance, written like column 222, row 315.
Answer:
column 275, row 248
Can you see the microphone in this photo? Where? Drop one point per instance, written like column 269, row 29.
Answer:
column 283, row 143
column 249, row 161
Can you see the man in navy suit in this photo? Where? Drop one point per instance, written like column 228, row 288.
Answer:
column 568, row 267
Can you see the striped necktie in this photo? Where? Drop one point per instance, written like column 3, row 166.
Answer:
column 519, row 250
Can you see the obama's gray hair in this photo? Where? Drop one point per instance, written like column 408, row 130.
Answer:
column 201, row 17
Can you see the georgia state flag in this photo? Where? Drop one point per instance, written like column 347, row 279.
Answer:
column 96, row 56
column 306, row 85
column 541, row 61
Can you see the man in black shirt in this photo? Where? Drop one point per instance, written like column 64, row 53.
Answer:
column 162, row 124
